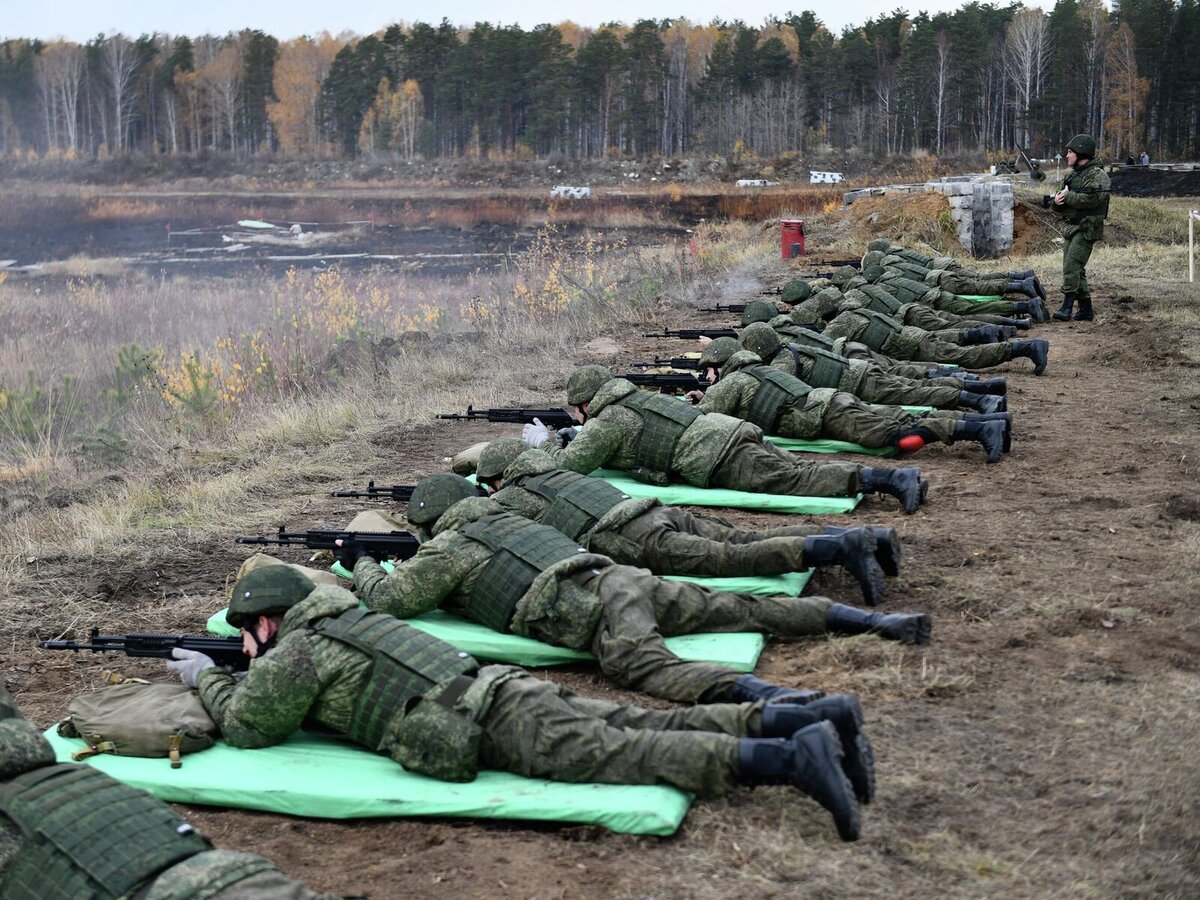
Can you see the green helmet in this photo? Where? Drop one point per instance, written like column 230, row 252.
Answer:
column 842, row 274
column 265, row 591
column 584, row 382
column 1084, row 146
column 498, row 456
column 434, row 495
column 872, row 258
column 796, row 291
column 883, row 245
column 761, row 339
column 872, row 273
column 759, row 311
column 717, row 353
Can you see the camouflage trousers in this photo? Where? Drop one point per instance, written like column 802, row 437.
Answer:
column 935, row 320
column 750, row 464
column 916, row 370
column 879, row 386
column 1076, row 253
column 953, row 303
column 671, row 540
column 640, row 609
column 930, row 349
column 195, row 877
column 539, row 729
column 974, row 284
column 849, row 419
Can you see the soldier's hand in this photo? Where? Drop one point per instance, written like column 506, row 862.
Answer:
column 349, row 553
column 535, row 434
column 188, row 664
column 1061, row 197
column 694, row 396
column 566, row 435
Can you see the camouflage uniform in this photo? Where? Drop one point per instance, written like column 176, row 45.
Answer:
column 906, row 342
column 1083, row 213
column 853, row 350
column 884, row 298
column 714, row 451
column 820, row 412
column 529, row 726
column 585, row 601
column 202, row 873
column 667, row 540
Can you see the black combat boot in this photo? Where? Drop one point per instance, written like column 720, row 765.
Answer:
column 1041, row 291
column 1021, row 286
column 748, row 689
column 1064, row 312
column 810, row 760
column 984, row 403
column 854, row 551
column 1084, row 313
column 997, row 386
column 1021, row 275
column 1006, row 418
column 1034, row 308
column 888, row 552
column 1015, row 324
column 990, row 436
column 908, row 628
column 905, row 484
column 984, row 334
column 1037, row 350
column 782, row 720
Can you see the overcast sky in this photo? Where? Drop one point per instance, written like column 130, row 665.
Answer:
column 81, row 20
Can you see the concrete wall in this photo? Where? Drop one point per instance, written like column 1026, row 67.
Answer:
column 982, row 209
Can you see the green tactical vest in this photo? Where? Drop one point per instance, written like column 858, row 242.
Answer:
column 914, row 257
column 825, row 369
column 907, row 290
column 88, row 835
column 809, row 338
column 406, row 664
column 879, row 328
column 577, row 502
column 521, row 551
column 882, row 300
column 664, row 420
column 776, row 391
column 911, row 270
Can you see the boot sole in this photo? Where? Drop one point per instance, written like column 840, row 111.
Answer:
column 865, row 570
column 918, row 630
column 888, row 552
column 827, row 753
column 858, row 761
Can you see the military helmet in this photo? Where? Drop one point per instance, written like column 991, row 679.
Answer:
column 271, row 589
column 434, row 495
column 872, row 258
column 1084, row 146
column 759, row 311
column 584, row 382
column 883, row 245
column 796, row 291
column 498, row 456
column 761, row 339
column 873, row 273
column 842, row 274
column 717, row 353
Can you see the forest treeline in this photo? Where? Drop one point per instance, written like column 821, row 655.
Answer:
column 978, row 79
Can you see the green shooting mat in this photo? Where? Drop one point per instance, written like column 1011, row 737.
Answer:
column 737, row 650
column 981, row 298
column 686, row 495
column 322, row 777
column 798, row 445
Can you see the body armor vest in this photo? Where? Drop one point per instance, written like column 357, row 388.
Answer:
column 776, row 391
column 406, row 664
column 912, row 270
column 882, row 300
column 914, row 257
column 809, row 338
column 521, row 551
column 824, row 369
column 664, row 420
column 577, row 502
column 87, row 835
column 879, row 328
column 908, row 290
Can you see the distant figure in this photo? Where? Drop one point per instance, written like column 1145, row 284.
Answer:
column 1145, row 158
column 1130, row 161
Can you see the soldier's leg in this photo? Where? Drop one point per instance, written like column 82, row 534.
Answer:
column 1076, row 253
column 737, row 719
column 878, row 386
column 752, row 465
column 531, row 730
column 849, row 419
column 717, row 529
column 961, row 306
column 979, row 356
column 188, row 877
column 930, row 319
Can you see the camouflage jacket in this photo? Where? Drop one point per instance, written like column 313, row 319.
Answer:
column 611, row 435
column 734, row 393
column 902, row 345
column 1086, row 204
column 852, row 377
column 445, row 569
column 517, row 499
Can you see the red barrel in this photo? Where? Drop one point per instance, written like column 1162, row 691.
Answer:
column 792, row 238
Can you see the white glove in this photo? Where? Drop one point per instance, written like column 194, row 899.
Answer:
column 535, row 434
column 188, row 664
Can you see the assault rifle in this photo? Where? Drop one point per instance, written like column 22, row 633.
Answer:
column 551, row 418
column 401, row 493
column 1035, row 170
column 692, row 334
column 729, row 307
column 667, row 384
column 224, row 651
column 380, row 544
column 672, row 362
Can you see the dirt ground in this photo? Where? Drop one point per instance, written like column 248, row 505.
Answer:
column 1043, row 746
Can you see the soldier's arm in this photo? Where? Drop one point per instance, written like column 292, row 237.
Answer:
column 1098, row 193
column 596, row 443
column 272, row 700
column 417, row 585
column 722, row 397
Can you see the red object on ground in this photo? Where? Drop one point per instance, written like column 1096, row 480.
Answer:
column 911, row 443
column 792, row 238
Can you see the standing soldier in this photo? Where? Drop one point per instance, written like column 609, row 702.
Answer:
column 1083, row 203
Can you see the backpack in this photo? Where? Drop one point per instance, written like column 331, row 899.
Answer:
column 137, row 718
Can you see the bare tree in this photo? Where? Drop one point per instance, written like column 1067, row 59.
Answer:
column 1027, row 53
column 941, row 81
column 120, row 65
column 1095, row 19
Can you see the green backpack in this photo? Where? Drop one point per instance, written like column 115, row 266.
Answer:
column 137, row 718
